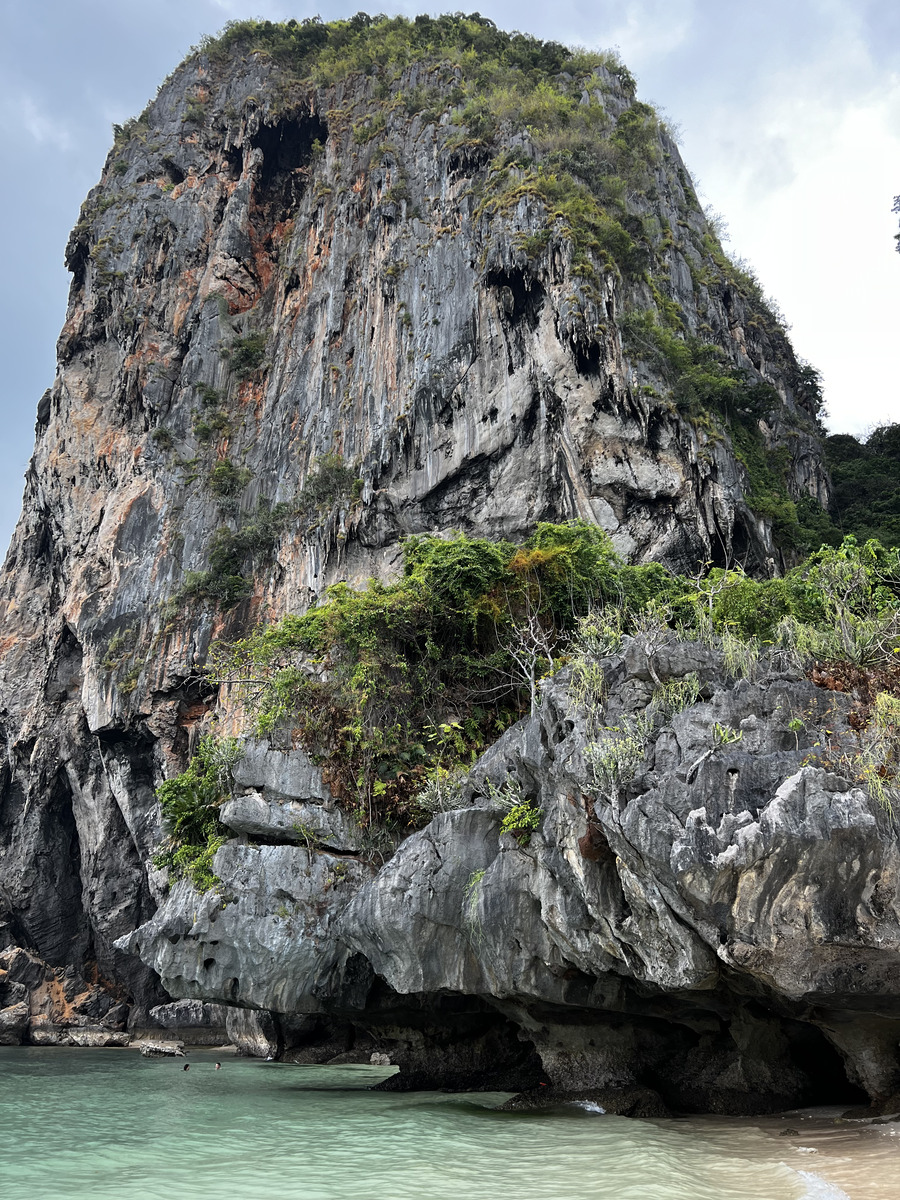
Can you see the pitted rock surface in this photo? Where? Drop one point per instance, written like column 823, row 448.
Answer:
column 260, row 816
column 725, row 916
column 705, row 930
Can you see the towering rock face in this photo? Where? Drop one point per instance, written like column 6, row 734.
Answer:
column 315, row 308
column 723, row 927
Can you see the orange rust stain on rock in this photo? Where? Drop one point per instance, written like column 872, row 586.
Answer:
column 190, row 714
column 111, row 441
column 239, row 301
column 188, row 290
column 264, row 269
column 147, row 353
column 251, row 393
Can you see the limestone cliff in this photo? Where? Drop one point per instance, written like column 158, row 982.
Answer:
column 722, row 928
column 325, row 296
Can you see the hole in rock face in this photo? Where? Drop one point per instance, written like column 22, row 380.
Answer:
column 519, row 296
column 77, row 258
column 812, row 1052
column 208, row 963
column 587, row 357
column 232, row 163
column 287, row 146
column 280, row 181
column 723, row 553
column 173, row 172
column 758, row 1063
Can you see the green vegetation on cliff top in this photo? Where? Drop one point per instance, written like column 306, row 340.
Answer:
column 396, row 686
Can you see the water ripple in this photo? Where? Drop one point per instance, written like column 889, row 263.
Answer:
column 109, row 1125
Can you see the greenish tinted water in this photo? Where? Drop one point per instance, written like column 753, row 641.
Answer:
column 106, row 1123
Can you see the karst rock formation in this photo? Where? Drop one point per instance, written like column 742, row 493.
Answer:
column 295, row 259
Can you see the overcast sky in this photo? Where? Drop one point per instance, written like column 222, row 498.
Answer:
column 789, row 120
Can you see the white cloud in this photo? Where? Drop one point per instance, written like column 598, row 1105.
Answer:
column 805, row 172
column 23, row 111
column 652, row 30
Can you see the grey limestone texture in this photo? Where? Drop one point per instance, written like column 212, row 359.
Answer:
column 726, row 935
column 709, row 933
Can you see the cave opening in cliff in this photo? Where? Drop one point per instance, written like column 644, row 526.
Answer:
column 287, row 150
column 725, row 550
column 586, row 355
column 287, row 147
column 173, row 172
column 54, row 920
column 519, row 296
column 823, row 1066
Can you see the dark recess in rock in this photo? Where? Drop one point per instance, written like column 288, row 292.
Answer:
column 520, row 297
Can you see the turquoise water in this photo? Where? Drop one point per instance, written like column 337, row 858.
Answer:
column 80, row 1123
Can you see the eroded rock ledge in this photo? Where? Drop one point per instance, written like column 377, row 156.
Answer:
column 722, row 930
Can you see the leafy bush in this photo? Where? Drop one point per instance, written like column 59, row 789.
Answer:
column 234, row 553
column 392, row 681
column 189, row 805
column 442, row 791
column 615, row 760
column 866, row 478
column 227, row 480
column 247, row 354
column 329, row 482
column 162, row 437
column 522, row 821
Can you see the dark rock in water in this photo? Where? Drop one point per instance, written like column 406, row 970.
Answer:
column 192, row 1022
column 623, row 1102
column 189, row 1014
column 457, row 1048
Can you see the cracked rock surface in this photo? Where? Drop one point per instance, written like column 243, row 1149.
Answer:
column 252, row 293
column 725, row 935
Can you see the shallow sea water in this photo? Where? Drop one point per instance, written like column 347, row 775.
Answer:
column 78, row 1123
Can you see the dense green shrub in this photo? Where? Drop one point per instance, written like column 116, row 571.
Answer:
column 393, row 683
column 866, row 478
column 395, row 680
column 227, row 480
column 247, row 353
column 234, row 554
column 189, row 804
column 521, row 821
column 329, row 482
column 163, row 437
